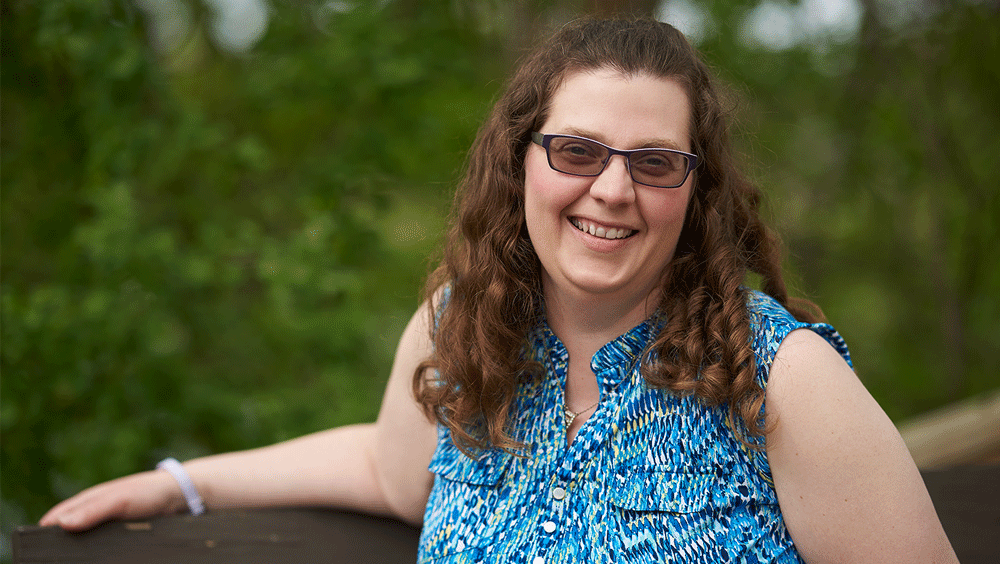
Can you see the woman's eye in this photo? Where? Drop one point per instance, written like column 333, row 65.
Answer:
column 657, row 162
column 578, row 150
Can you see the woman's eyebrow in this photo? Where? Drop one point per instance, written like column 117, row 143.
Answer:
column 651, row 143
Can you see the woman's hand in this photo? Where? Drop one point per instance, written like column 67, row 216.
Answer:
column 133, row 497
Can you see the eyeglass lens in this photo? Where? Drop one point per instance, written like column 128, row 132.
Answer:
column 655, row 167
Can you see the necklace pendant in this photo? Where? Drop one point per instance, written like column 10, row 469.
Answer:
column 568, row 417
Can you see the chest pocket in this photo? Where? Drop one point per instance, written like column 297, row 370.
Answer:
column 468, row 509
column 662, row 514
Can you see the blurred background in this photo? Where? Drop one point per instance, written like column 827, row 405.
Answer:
column 217, row 214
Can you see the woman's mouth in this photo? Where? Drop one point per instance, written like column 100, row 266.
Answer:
column 601, row 231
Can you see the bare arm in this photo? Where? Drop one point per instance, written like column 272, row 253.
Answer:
column 376, row 468
column 847, row 486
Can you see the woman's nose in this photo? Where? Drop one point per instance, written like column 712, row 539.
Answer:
column 614, row 185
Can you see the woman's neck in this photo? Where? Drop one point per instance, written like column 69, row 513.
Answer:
column 585, row 323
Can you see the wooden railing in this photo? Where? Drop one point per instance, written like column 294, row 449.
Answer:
column 960, row 433
column 967, row 500
column 286, row 536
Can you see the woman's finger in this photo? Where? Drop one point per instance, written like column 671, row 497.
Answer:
column 136, row 496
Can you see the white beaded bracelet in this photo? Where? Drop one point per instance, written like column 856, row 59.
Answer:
column 194, row 502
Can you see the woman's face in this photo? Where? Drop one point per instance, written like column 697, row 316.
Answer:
column 624, row 113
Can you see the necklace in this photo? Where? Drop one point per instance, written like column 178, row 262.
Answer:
column 569, row 415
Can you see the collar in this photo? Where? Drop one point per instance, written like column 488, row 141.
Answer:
column 611, row 363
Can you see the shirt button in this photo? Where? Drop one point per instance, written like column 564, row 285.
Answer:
column 558, row 493
column 538, row 560
column 549, row 527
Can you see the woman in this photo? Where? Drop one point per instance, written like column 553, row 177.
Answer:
column 594, row 370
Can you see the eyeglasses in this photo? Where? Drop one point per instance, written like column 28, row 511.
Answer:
column 579, row 156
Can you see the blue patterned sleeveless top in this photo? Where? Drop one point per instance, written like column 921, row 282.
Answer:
column 650, row 477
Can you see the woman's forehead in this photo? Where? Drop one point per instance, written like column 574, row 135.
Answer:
column 624, row 111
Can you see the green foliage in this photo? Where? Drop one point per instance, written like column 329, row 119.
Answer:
column 877, row 159
column 206, row 251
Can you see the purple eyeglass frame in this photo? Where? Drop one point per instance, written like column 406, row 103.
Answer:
column 544, row 140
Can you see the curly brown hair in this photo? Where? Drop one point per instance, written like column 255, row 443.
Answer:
column 494, row 275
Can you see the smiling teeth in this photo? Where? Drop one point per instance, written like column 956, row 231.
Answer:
column 611, row 233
